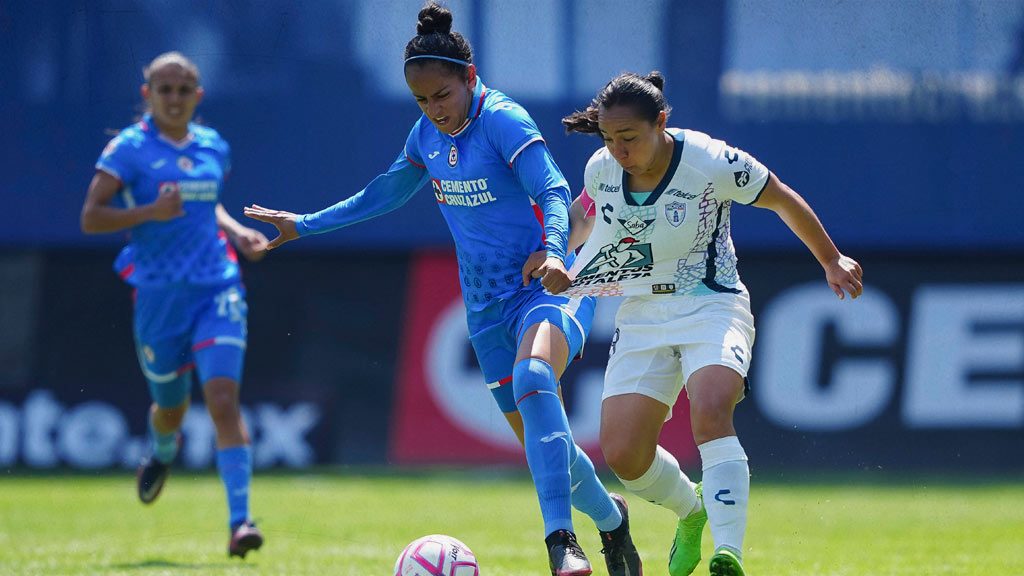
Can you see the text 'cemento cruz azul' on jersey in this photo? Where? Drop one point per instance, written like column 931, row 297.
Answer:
column 192, row 190
column 462, row 192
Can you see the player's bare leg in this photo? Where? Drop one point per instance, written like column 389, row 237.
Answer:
column 714, row 392
column 630, row 427
column 234, row 462
column 152, row 473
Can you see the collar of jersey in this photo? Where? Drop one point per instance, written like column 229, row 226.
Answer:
column 150, row 127
column 476, row 106
column 677, row 154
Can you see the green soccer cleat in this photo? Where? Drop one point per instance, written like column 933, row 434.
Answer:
column 685, row 554
column 725, row 562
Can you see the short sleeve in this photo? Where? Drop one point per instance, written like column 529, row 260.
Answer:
column 589, row 207
column 510, row 130
column 412, row 146
column 118, row 159
column 738, row 175
column 225, row 155
column 590, row 182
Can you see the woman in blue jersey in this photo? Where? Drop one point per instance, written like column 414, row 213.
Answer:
column 160, row 179
column 488, row 165
column 664, row 244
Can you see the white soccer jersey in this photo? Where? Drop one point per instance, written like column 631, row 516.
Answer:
column 677, row 241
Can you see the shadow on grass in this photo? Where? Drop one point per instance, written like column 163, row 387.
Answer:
column 160, row 564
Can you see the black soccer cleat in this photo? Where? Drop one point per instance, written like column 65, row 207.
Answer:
column 620, row 554
column 150, row 479
column 245, row 537
column 565, row 556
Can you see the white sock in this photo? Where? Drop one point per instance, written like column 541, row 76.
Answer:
column 726, row 490
column 665, row 484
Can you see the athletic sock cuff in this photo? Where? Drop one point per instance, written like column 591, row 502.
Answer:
column 645, row 481
column 721, row 450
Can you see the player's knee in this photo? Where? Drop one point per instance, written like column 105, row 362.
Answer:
column 625, row 455
column 621, row 459
column 170, row 418
column 715, row 402
column 221, row 397
column 531, row 376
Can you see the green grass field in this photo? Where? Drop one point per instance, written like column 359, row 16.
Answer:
column 356, row 524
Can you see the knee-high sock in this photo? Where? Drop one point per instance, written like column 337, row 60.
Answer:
column 665, row 484
column 546, row 438
column 726, row 490
column 235, row 467
column 165, row 446
column 589, row 495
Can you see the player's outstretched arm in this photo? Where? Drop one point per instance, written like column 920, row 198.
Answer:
column 842, row 272
column 580, row 226
column 99, row 217
column 283, row 221
column 250, row 242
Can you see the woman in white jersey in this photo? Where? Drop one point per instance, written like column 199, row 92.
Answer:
column 655, row 218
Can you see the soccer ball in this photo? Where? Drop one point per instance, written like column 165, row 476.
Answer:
column 436, row 555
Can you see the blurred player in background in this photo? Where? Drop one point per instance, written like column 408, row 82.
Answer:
column 161, row 178
column 490, row 169
column 656, row 209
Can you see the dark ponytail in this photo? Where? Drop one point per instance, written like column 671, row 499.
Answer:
column 434, row 37
column 645, row 94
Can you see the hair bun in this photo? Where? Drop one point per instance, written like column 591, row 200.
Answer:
column 657, row 79
column 434, row 18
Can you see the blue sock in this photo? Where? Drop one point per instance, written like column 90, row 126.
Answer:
column 235, row 467
column 546, row 438
column 589, row 495
column 165, row 446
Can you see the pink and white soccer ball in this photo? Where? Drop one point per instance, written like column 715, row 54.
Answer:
column 436, row 555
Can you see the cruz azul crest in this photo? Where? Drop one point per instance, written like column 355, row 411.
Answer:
column 453, row 156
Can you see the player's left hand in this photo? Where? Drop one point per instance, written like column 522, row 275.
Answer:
column 844, row 273
column 551, row 271
column 283, row 221
column 251, row 243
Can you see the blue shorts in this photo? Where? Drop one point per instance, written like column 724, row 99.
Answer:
column 179, row 328
column 496, row 331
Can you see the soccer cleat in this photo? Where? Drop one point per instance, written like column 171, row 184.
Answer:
column 245, row 537
column 725, row 562
column 150, row 479
column 565, row 556
column 685, row 554
column 620, row 554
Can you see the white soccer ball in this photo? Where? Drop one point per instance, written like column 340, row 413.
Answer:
column 436, row 555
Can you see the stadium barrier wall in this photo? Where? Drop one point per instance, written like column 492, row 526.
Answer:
column 363, row 359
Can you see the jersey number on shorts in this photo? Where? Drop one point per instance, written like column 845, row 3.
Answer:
column 231, row 305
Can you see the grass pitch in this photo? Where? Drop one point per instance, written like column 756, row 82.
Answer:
column 356, row 524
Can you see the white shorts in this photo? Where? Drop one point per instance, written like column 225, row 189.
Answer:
column 660, row 341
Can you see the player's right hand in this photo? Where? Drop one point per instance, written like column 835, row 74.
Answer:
column 167, row 206
column 534, row 262
column 845, row 273
column 283, row 221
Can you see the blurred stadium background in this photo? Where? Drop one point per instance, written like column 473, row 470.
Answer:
column 902, row 123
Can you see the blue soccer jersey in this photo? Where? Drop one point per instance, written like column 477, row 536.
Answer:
column 491, row 182
column 185, row 250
